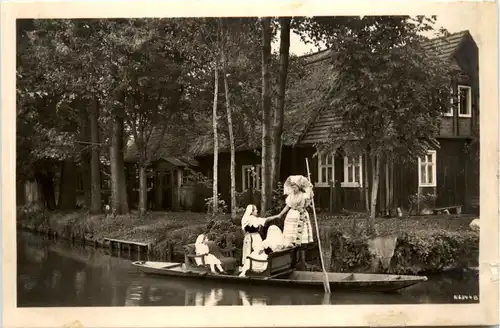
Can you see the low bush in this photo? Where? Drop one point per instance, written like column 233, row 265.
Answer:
column 222, row 207
column 417, row 251
column 435, row 251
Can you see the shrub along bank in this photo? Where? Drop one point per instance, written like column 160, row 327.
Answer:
column 424, row 244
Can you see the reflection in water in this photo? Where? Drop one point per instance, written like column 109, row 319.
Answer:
column 214, row 297
column 134, row 294
column 60, row 274
column 115, row 298
column 210, row 298
column 154, row 295
column 255, row 301
column 56, row 276
column 80, row 277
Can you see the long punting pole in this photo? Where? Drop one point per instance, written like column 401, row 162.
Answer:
column 326, row 283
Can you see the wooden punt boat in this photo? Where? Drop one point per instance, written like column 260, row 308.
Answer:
column 357, row 282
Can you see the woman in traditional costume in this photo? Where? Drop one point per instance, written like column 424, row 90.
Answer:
column 261, row 250
column 297, row 228
column 250, row 224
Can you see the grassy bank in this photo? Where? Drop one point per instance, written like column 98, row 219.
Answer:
column 425, row 244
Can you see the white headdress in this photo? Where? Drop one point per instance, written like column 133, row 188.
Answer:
column 246, row 219
column 200, row 239
column 200, row 247
column 300, row 181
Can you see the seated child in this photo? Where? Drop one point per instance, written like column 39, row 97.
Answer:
column 201, row 247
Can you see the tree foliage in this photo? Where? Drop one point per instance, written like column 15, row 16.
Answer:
column 390, row 91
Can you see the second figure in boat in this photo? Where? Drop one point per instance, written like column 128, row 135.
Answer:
column 250, row 224
column 273, row 243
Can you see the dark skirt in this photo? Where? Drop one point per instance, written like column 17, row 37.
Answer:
column 251, row 229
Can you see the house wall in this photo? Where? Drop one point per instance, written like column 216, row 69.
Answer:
column 457, row 176
column 472, row 185
column 223, row 173
column 405, row 183
column 460, row 181
column 337, row 198
column 451, row 160
column 466, row 57
column 329, row 198
column 162, row 195
column 457, row 180
column 456, row 126
column 451, row 166
column 288, row 167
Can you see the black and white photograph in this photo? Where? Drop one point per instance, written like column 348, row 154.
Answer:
column 250, row 160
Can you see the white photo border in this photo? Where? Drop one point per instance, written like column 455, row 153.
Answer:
column 484, row 14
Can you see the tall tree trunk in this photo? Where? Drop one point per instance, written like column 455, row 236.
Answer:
column 387, row 189
column 215, row 194
column 391, row 185
column 121, row 170
column 33, row 193
column 279, row 110
column 375, row 183
column 365, row 183
column 266, row 188
column 230, row 126
column 143, row 189
column 119, row 203
column 67, row 186
column 86, row 180
column 46, row 181
column 20, row 193
column 85, row 155
column 95, row 169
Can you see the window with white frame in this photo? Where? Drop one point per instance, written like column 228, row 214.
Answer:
column 450, row 109
column 353, row 173
column 251, row 175
column 464, row 101
column 427, row 169
column 326, row 173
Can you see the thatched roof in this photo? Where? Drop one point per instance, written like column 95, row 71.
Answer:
column 317, row 114
column 204, row 145
column 167, row 148
column 445, row 47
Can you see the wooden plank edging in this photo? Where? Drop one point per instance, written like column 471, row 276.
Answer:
column 127, row 242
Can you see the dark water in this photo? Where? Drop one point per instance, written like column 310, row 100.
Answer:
column 60, row 274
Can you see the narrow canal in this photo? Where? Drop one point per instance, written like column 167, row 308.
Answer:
column 58, row 274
